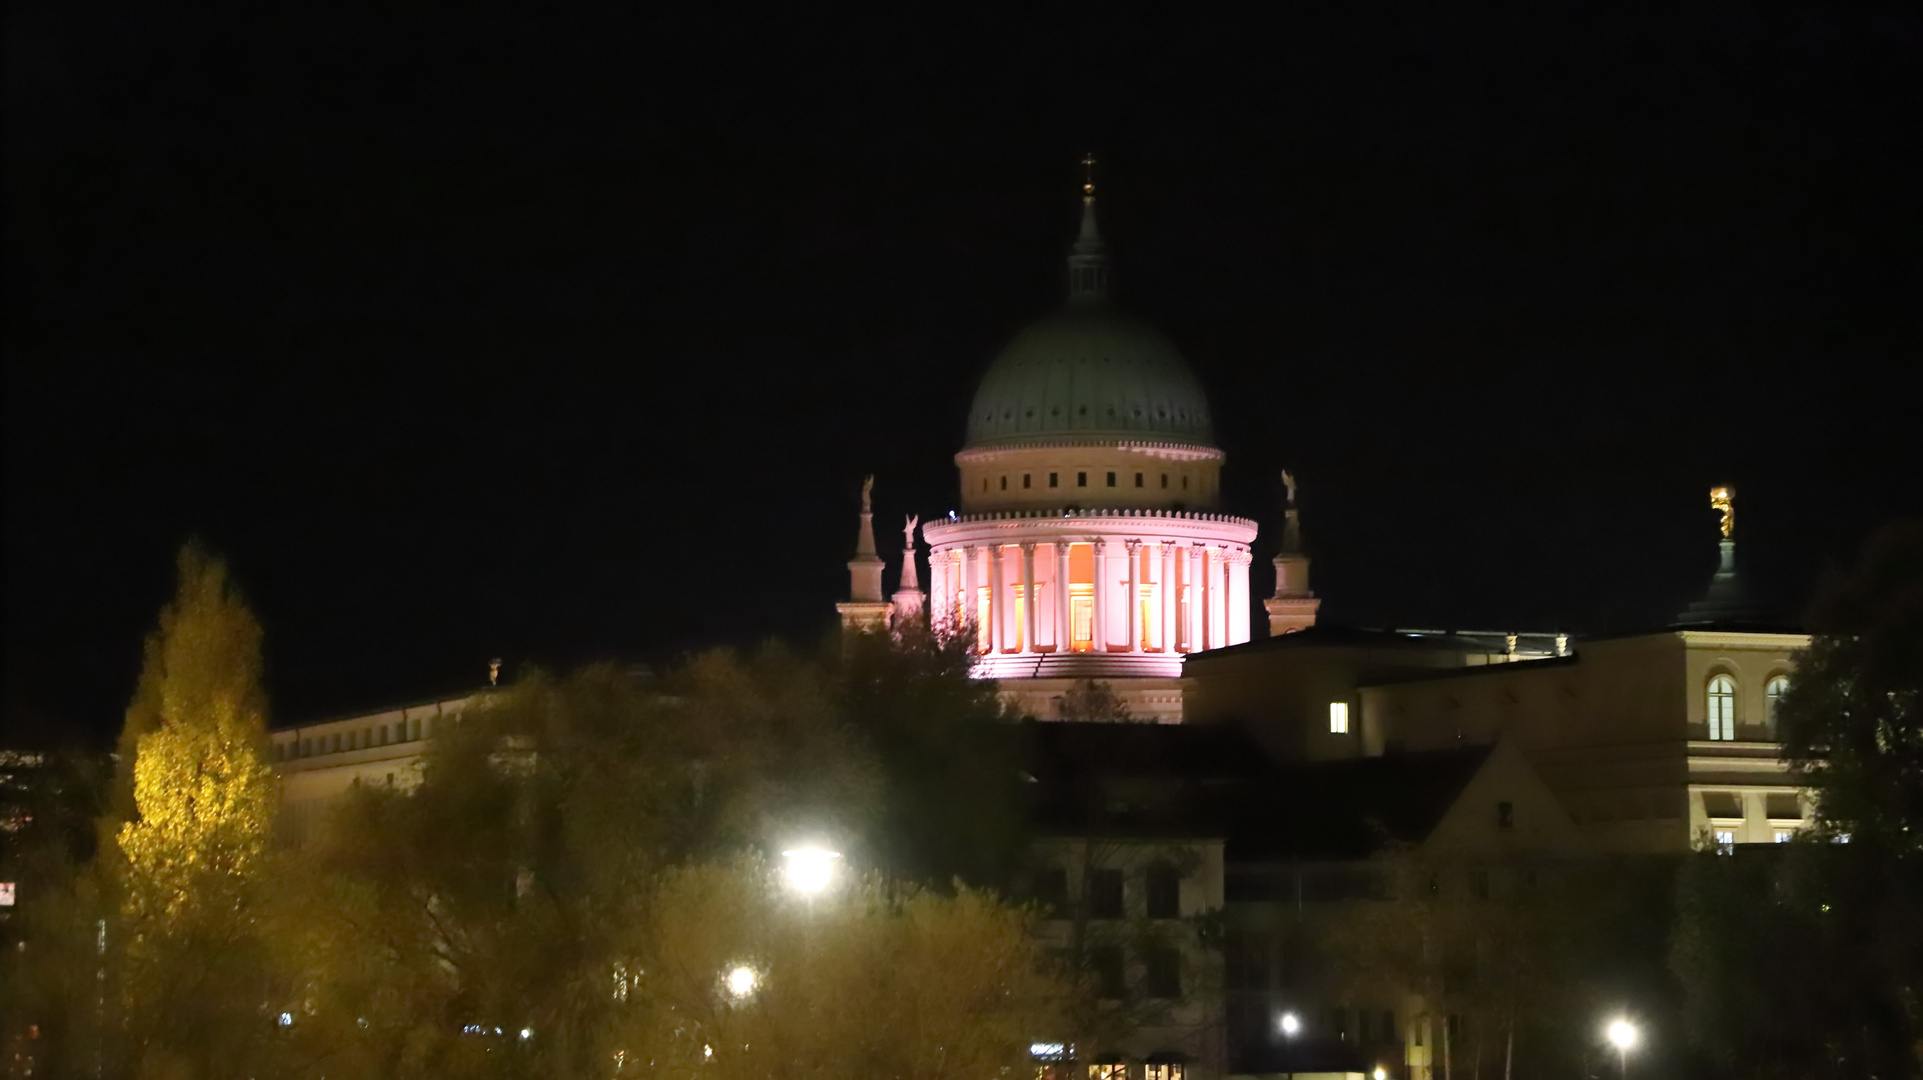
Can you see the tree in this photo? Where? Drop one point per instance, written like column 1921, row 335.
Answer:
column 1852, row 720
column 192, row 851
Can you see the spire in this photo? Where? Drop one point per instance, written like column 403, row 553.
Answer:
column 908, row 597
column 864, row 608
column 1294, row 604
column 1726, row 601
column 1088, row 260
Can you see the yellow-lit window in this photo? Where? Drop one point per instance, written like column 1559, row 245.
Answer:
column 1161, row 1071
column 1108, row 1071
column 1021, row 618
column 981, row 617
column 1338, row 718
column 1147, row 621
column 1722, row 708
column 1081, row 616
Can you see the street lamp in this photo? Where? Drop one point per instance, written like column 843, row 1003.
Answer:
column 742, row 981
column 1380, row 1073
column 1291, row 1024
column 809, row 870
column 1622, row 1035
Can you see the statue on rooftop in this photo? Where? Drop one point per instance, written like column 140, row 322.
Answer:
column 908, row 532
column 868, row 494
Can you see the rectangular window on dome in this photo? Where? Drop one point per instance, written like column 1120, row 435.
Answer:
column 1185, row 483
column 1111, row 479
column 1081, row 479
column 1138, row 479
column 1024, row 479
column 1164, row 479
column 1052, row 478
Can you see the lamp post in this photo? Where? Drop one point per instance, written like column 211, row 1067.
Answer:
column 1622, row 1035
column 1291, row 1026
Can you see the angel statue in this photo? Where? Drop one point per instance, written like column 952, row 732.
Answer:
column 1288, row 481
column 868, row 494
column 908, row 532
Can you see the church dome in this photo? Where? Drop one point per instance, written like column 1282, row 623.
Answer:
column 1089, row 372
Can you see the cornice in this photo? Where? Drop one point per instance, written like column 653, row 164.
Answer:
column 1172, row 451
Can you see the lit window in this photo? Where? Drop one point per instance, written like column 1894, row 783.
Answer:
column 1783, row 835
column 1081, row 479
column 1161, row 1071
column 1773, row 691
column 1725, row 839
column 1722, row 708
column 1338, row 718
column 1108, row 1071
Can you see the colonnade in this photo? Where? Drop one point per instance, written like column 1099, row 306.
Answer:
column 1176, row 596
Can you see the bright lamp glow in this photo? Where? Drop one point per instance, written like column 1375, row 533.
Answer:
column 1622, row 1033
column 1338, row 718
column 1291, row 1024
column 742, row 981
column 1380, row 1073
column 810, row 870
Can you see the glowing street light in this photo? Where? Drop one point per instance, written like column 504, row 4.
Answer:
column 810, row 870
column 742, row 982
column 1380, row 1073
column 1622, row 1035
column 1291, row 1024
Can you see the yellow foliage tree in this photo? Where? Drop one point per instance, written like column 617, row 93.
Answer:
column 193, row 848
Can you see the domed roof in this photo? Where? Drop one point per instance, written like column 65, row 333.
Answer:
column 1089, row 371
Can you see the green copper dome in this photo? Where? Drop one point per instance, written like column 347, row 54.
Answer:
column 1089, row 371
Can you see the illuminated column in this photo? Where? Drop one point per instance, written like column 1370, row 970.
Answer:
column 1219, row 596
column 1098, row 633
column 1192, row 584
column 1064, row 633
column 1239, row 598
column 1134, row 594
column 1168, row 598
column 1028, row 596
column 965, row 614
column 995, row 634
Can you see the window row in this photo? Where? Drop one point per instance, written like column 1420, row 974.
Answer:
column 1720, row 704
column 359, row 739
column 1106, row 1070
column 1105, row 894
column 1081, row 480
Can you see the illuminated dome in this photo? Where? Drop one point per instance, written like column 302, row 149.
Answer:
column 1089, row 372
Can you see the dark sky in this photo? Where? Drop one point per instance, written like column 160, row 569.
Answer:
column 557, row 339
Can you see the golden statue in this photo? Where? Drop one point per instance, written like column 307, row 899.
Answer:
column 1723, row 500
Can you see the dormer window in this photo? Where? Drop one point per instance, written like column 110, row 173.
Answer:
column 1722, row 708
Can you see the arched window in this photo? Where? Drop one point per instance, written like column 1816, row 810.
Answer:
column 1773, row 691
column 1722, row 707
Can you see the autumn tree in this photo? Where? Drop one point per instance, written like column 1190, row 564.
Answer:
column 194, row 802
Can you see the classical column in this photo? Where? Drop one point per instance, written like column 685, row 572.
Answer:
column 1168, row 598
column 1064, row 628
column 1098, row 633
column 1028, row 596
column 1192, row 577
column 1238, row 593
column 995, row 629
column 1134, row 594
column 966, row 613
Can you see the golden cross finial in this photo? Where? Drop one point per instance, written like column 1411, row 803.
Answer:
column 1088, row 176
column 1723, row 500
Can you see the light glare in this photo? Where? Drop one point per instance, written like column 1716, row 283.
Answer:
column 742, row 981
column 1623, row 1034
column 1291, row 1024
column 810, row 870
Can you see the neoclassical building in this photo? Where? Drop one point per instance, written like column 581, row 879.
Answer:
column 1088, row 543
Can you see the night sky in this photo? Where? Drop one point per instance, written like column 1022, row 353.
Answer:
column 466, row 336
